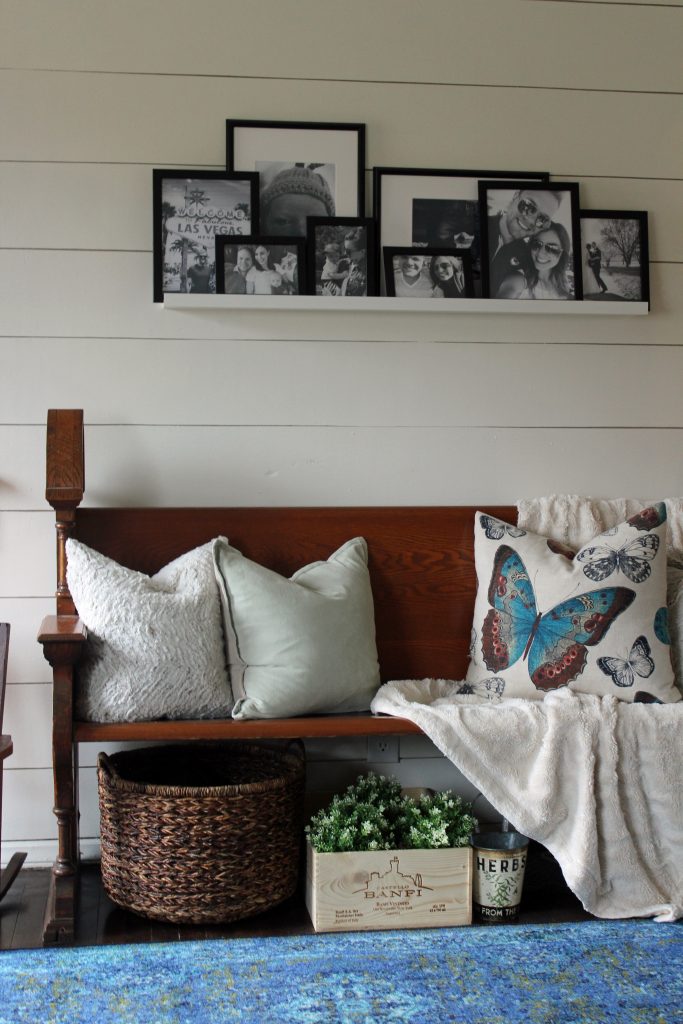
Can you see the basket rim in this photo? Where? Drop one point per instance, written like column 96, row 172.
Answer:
column 291, row 760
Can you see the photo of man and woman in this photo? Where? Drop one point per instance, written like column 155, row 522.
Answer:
column 529, row 246
column 428, row 273
column 615, row 255
column 259, row 266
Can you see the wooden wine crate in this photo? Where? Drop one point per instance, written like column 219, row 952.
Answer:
column 389, row 889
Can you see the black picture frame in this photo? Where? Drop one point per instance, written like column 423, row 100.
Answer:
column 306, row 168
column 427, row 283
column 287, row 277
column 622, row 265
column 353, row 276
column 182, row 236
column 451, row 193
column 511, row 269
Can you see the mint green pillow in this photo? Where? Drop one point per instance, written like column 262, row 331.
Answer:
column 299, row 646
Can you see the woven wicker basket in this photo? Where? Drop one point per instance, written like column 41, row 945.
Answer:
column 201, row 833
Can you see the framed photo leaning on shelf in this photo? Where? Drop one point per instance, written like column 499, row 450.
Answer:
column 189, row 209
column 305, row 168
column 341, row 256
column 615, row 255
column 530, row 236
column 416, row 206
column 428, row 273
column 260, row 265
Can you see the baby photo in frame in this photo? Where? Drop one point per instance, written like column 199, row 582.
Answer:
column 341, row 256
column 306, row 169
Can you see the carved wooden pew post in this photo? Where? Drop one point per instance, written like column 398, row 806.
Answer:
column 62, row 637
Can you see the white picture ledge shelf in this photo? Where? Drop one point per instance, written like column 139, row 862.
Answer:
column 316, row 303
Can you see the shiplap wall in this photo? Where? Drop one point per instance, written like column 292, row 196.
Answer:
column 309, row 408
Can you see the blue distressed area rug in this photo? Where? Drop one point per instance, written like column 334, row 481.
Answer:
column 621, row 972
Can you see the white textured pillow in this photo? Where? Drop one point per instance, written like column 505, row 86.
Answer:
column 155, row 643
column 595, row 621
column 298, row 646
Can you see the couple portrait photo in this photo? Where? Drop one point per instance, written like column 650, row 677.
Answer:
column 427, row 273
column 615, row 255
column 530, row 243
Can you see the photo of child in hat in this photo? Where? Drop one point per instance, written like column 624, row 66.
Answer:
column 292, row 193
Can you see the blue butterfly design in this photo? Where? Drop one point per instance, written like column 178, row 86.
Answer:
column 662, row 631
column 554, row 644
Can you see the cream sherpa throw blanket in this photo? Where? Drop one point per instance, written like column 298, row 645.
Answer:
column 595, row 780
column 575, row 519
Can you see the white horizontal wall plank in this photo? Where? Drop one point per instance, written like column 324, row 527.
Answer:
column 114, row 301
column 261, row 466
column 272, row 466
column 26, row 663
column 22, row 468
column 27, row 554
column 31, row 218
column 28, row 797
column 432, row 773
column 101, row 206
column 73, row 115
column 28, row 720
column 369, row 41
column 27, row 800
column 260, row 383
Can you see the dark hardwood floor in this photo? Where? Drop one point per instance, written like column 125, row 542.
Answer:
column 546, row 898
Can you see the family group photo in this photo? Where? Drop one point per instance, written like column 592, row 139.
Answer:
column 261, row 266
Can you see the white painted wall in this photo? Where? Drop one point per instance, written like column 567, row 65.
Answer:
column 309, row 408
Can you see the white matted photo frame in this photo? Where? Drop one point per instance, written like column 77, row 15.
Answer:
column 530, row 235
column 341, row 256
column 417, row 206
column 615, row 255
column 191, row 207
column 428, row 272
column 260, row 265
column 305, row 168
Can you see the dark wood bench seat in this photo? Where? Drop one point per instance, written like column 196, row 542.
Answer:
column 421, row 565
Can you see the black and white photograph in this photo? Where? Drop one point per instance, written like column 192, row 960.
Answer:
column 190, row 208
column 530, row 237
column 341, row 256
column 426, row 207
column 614, row 255
column 260, row 265
column 306, row 169
column 427, row 272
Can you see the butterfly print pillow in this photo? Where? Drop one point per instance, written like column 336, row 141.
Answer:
column 594, row 620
